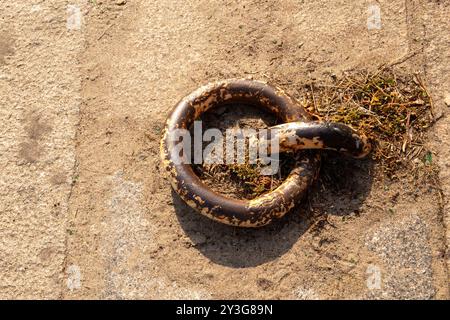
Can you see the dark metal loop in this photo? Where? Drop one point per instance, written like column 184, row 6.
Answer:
column 274, row 204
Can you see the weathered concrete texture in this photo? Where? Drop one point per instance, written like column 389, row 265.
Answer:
column 406, row 255
column 132, row 239
column 84, row 212
column 437, row 68
column 39, row 99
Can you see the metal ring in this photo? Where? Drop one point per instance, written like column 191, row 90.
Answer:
column 243, row 213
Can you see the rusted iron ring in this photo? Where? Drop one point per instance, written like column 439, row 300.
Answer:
column 243, row 213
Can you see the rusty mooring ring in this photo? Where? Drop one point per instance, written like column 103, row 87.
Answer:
column 243, row 213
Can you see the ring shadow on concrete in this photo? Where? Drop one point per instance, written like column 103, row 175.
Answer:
column 341, row 190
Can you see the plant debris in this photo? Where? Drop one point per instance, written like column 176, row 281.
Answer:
column 243, row 181
column 393, row 111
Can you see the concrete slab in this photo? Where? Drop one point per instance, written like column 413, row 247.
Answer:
column 39, row 97
column 85, row 90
